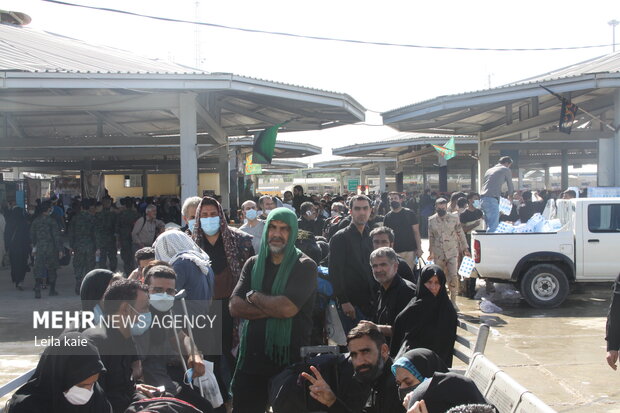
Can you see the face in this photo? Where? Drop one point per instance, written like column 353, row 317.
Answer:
column 191, row 214
column 474, row 199
column 277, row 236
column 441, row 206
column 152, row 213
column 209, row 211
column 381, row 240
column 249, row 205
column 288, row 196
column 365, row 354
column 268, row 204
column 383, row 269
column 360, row 212
column 143, row 263
column 141, row 306
column 405, row 379
column 395, row 197
column 89, row 382
column 433, row 285
column 160, row 285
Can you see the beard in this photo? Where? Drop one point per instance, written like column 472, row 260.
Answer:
column 275, row 249
column 372, row 372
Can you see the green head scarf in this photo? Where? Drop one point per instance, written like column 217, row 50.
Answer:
column 278, row 330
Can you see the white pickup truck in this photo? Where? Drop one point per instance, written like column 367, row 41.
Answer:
column 543, row 265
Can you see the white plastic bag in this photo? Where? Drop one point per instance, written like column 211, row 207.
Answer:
column 505, row 206
column 487, row 306
column 335, row 331
column 467, row 266
column 209, row 389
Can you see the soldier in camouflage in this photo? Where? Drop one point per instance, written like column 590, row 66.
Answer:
column 82, row 241
column 45, row 236
column 105, row 235
column 124, row 226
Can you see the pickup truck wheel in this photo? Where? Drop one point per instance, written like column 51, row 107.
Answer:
column 544, row 286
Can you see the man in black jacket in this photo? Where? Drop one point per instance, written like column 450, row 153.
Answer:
column 349, row 269
column 371, row 366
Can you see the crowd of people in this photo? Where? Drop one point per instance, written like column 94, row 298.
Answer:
column 274, row 277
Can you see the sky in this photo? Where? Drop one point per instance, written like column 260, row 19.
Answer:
column 379, row 77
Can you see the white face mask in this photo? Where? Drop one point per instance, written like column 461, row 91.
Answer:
column 79, row 396
column 161, row 301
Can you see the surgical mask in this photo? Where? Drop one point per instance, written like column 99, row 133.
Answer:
column 98, row 314
column 476, row 203
column 395, row 204
column 335, row 214
column 162, row 301
column 371, row 374
column 267, row 212
column 79, row 396
column 441, row 212
column 210, row 225
column 403, row 392
column 142, row 323
column 251, row 214
column 190, row 225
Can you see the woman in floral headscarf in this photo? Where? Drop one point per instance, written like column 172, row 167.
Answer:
column 228, row 249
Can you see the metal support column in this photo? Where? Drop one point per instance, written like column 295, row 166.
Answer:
column 382, row 178
column 224, row 176
column 483, row 161
column 145, row 184
column 564, row 182
column 188, row 145
column 443, row 173
column 399, row 182
column 472, row 176
column 547, row 178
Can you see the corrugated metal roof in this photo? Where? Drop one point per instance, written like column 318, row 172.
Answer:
column 28, row 50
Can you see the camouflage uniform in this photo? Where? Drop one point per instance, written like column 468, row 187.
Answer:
column 124, row 226
column 105, row 235
column 83, row 243
column 45, row 237
column 446, row 240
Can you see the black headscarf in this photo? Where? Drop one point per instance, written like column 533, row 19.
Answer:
column 427, row 321
column 60, row 368
column 423, row 360
column 94, row 285
column 446, row 390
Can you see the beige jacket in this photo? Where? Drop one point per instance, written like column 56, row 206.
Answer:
column 446, row 238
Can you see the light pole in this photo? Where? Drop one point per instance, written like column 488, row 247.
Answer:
column 613, row 24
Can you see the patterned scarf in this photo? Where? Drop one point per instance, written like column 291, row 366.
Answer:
column 231, row 246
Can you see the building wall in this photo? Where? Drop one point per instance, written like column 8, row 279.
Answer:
column 208, row 181
column 115, row 184
column 159, row 184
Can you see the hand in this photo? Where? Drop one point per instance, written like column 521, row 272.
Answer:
column 467, row 254
column 319, row 388
column 419, row 252
column 348, row 310
column 418, row 407
column 196, row 363
column 384, row 329
column 148, row 391
column 612, row 358
column 431, row 257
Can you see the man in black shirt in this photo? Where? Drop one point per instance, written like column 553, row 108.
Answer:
column 308, row 219
column 349, row 269
column 471, row 218
column 126, row 309
column 275, row 293
column 394, row 293
column 371, row 366
column 384, row 237
column 404, row 223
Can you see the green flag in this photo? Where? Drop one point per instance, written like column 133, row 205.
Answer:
column 264, row 145
column 448, row 151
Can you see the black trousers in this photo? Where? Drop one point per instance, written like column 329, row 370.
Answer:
column 250, row 392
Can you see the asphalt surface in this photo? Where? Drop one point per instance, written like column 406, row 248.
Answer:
column 558, row 354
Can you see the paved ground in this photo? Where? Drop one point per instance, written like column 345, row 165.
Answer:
column 558, row 354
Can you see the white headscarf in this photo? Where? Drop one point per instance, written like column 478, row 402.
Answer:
column 173, row 245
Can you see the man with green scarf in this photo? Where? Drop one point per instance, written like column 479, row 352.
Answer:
column 275, row 297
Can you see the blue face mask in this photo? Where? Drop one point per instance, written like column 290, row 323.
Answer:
column 190, row 225
column 476, row 204
column 142, row 323
column 211, row 225
column 98, row 314
column 189, row 374
column 251, row 214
